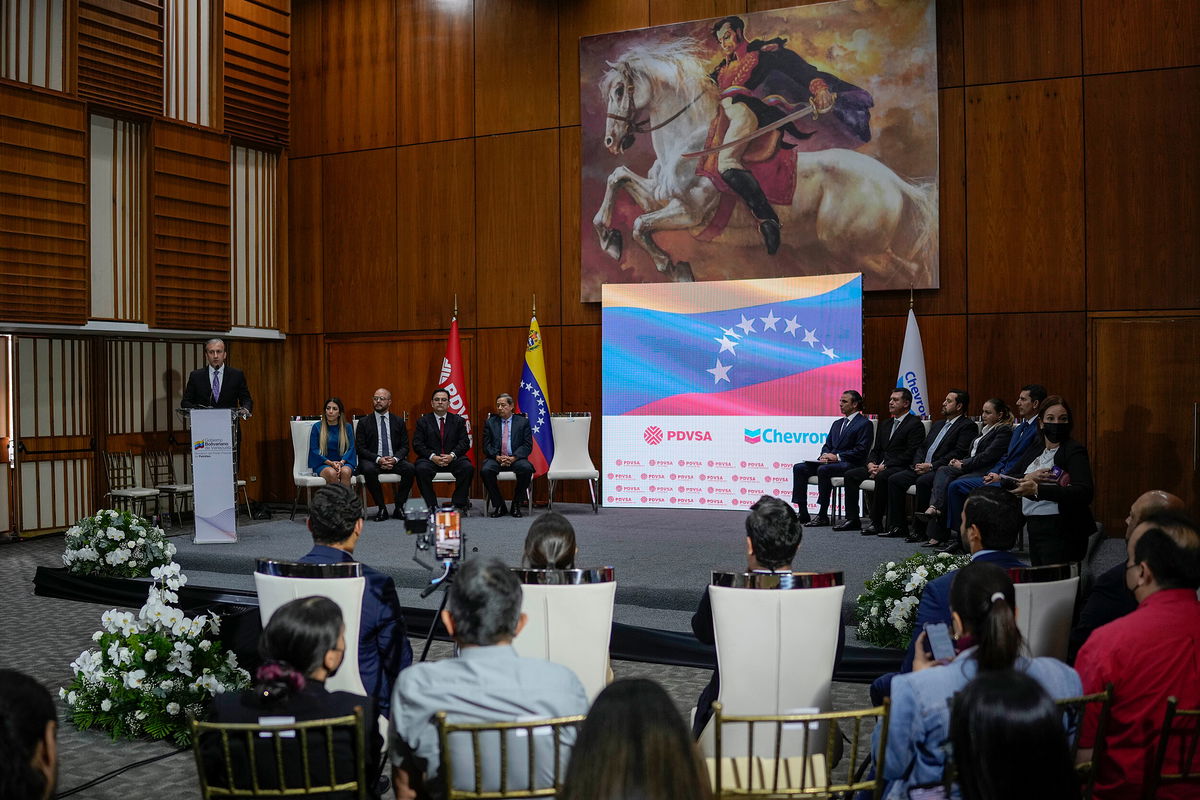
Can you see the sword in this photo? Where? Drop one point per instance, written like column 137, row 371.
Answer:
column 779, row 123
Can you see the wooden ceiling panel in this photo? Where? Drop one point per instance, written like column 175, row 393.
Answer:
column 120, row 56
column 257, row 72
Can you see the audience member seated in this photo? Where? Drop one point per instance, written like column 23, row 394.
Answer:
column 986, row 449
column 550, row 543
column 488, row 682
column 1057, row 491
column 1024, row 436
column 1008, row 741
column 991, row 520
column 1148, row 655
column 982, row 605
column 331, row 453
column 948, row 438
column 28, row 738
column 441, row 441
column 633, row 744
column 302, row 645
column 507, row 444
column 336, row 523
column 1110, row 598
column 896, row 442
column 773, row 534
column 846, row 447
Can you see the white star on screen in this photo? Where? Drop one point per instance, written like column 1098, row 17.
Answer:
column 828, row 351
column 792, row 327
column 726, row 344
column 809, row 338
column 746, row 325
column 731, row 332
column 720, row 372
column 769, row 321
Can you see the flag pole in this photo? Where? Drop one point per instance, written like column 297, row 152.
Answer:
column 910, row 297
column 456, row 305
column 535, row 305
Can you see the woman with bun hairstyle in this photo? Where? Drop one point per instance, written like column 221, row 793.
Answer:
column 986, row 639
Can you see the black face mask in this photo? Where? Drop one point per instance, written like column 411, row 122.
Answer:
column 1056, row 432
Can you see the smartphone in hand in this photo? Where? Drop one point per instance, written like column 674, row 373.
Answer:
column 937, row 634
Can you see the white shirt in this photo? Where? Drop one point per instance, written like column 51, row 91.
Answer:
column 1033, row 507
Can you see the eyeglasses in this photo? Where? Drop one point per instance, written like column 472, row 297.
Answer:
column 379, row 398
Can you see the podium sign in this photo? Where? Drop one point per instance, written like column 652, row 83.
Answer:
column 212, row 476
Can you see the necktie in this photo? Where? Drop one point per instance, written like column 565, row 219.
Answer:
column 216, row 387
column 938, row 440
column 504, row 439
column 386, row 449
column 442, row 431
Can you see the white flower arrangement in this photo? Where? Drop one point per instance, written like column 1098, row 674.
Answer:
column 887, row 610
column 116, row 544
column 150, row 670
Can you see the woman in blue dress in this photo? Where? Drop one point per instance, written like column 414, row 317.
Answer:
column 331, row 446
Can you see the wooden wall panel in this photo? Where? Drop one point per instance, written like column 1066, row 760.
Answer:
column 434, row 49
column 516, row 88
column 307, row 79
column 43, row 208
column 580, row 368
column 516, row 177
column 945, row 340
column 1025, row 197
column 359, row 287
column 266, row 443
column 668, row 12
column 120, row 55
column 951, row 297
column 305, row 374
column 189, row 208
column 305, row 275
column 950, row 42
column 501, row 359
column 1018, row 40
column 257, row 69
column 1143, row 204
column 358, row 77
column 1121, row 35
column 1009, row 351
column 573, row 311
column 435, row 235
column 584, row 18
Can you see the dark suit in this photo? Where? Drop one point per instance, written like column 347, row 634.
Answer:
column 933, row 608
column 1061, row 538
column 366, row 439
column 311, row 702
column 1110, row 599
column 955, row 444
column 991, row 448
column 849, row 440
column 234, row 392
column 429, row 441
column 1024, row 436
column 383, row 647
column 520, row 446
column 893, row 451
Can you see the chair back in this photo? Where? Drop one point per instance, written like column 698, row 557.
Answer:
column 522, row 758
column 774, row 767
column 569, row 616
column 1174, row 760
column 279, row 582
column 1074, row 710
column 1045, row 606
column 160, row 467
column 571, row 457
column 301, row 431
column 119, row 470
column 317, row 757
column 776, row 637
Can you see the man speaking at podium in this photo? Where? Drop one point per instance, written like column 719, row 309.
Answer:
column 217, row 385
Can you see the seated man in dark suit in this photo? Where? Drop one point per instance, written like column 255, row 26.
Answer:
column 896, row 442
column 846, row 447
column 441, row 442
column 217, row 385
column 335, row 520
column 1109, row 597
column 773, row 533
column 990, row 522
column 948, row 438
column 507, row 443
column 382, row 443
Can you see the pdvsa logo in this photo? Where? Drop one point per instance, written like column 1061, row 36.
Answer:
column 614, row 500
column 690, row 490
column 653, row 435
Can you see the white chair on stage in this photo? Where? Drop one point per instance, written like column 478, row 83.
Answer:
column 1046, row 599
column 302, row 476
column 776, row 637
column 569, row 620
column 279, row 582
column 572, row 461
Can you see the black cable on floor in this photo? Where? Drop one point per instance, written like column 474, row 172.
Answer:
column 116, row 772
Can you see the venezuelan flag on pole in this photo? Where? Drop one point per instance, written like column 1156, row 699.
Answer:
column 533, row 401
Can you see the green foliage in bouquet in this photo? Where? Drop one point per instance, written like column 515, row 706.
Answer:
column 116, row 544
column 151, row 670
column 887, row 610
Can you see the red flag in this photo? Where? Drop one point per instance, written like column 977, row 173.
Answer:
column 454, row 380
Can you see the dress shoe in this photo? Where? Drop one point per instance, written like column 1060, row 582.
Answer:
column 870, row 529
column 398, row 512
column 954, row 548
column 933, row 543
column 848, row 525
column 499, row 511
column 926, row 518
column 914, row 538
column 821, row 521
column 516, row 512
column 382, row 515
column 895, row 532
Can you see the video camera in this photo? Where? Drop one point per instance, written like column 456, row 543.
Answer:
column 446, row 539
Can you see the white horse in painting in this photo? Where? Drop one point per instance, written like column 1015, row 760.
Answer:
column 863, row 215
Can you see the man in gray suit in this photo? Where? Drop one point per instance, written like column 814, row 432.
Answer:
column 507, row 443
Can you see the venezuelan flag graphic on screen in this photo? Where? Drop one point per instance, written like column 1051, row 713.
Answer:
column 533, row 401
column 781, row 346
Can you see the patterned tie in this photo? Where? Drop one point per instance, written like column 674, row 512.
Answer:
column 504, row 440
column 386, row 450
column 216, row 387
